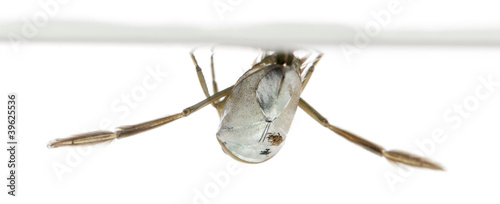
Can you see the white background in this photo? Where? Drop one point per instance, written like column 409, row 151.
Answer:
column 395, row 96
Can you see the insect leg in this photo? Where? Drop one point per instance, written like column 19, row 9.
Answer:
column 129, row 130
column 393, row 155
column 214, row 83
column 203, row 82
column 199, row 72
column 311, row 70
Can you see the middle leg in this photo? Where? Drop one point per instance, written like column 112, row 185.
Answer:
column 217, row 104
column 311, row 70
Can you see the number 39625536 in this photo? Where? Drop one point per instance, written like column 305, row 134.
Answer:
column 11, row 117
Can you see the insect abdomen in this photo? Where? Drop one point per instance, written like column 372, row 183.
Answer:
column 258, row 113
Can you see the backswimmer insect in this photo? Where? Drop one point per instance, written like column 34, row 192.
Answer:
column 256, row 112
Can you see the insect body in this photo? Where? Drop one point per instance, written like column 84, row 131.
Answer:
column 256, row 113
column 270, row 95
